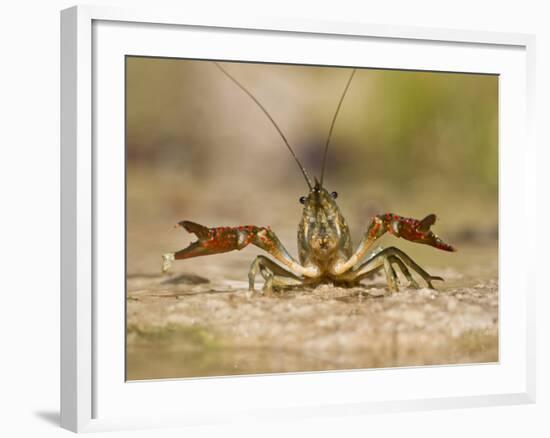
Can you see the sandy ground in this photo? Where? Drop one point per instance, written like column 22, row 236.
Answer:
column 200, row 320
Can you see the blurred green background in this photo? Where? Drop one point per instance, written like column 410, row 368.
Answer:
column 407, row 142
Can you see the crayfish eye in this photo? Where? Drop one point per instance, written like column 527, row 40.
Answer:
column 302, row 200
column 334, row 195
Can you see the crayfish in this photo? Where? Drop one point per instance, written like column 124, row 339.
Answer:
column 325, row 250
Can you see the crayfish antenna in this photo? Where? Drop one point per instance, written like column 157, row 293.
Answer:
column 243, row 88
column 332, row 125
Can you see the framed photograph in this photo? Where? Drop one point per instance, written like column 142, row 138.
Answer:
column 277, row 219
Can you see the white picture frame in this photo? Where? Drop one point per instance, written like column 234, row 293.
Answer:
column 92, row 391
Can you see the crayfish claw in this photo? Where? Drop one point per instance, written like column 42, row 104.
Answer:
column 414, row 230
column 425, row 224
column 439, row 244
column 199, row 230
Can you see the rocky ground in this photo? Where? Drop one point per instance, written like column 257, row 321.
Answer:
column 198, row 321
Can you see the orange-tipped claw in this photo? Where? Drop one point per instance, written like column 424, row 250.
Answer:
column 417, row 231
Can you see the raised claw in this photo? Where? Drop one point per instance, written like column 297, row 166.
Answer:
column 215, row 240
column 415, row 230
column 223, row 239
